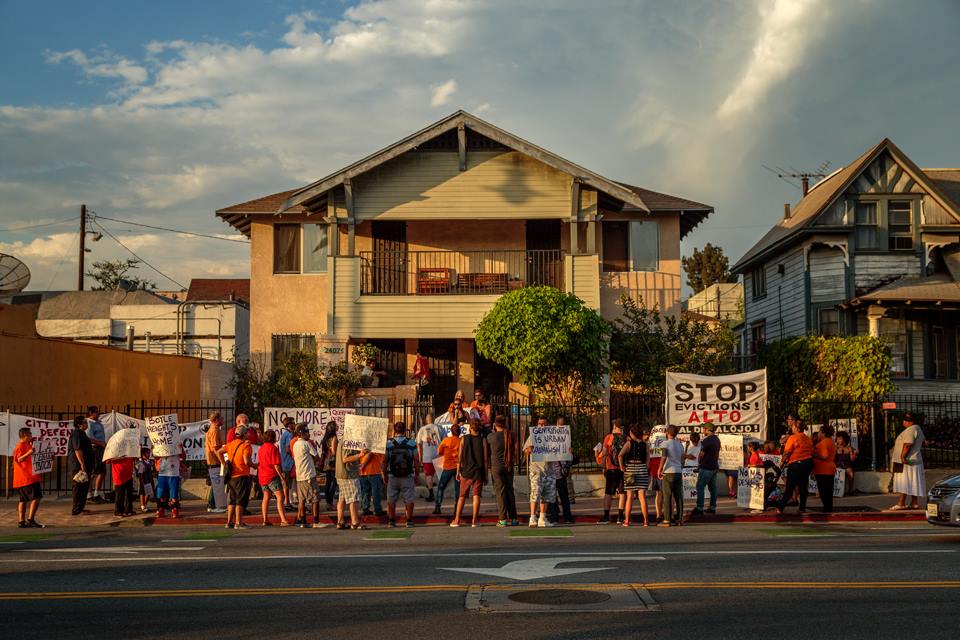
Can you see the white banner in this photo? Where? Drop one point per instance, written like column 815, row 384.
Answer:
column 164, row 435
column 316, row 419
column 124, row 443
column 365, row 432
column 750, row 488
column 550, row 443
column 731, row 451
column 735, row 404
column 54, row 433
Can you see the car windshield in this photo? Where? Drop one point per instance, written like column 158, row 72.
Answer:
column 950, row 482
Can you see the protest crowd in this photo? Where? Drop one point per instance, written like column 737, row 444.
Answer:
column 352, row 464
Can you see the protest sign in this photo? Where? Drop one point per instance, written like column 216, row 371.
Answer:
column 658, row 435
column 316, row 419
column 43, row 449
column 365, row 432
column 735, row 404
column 164, row 435
column 550, row 443
column 254, row 457
column 750, row 488
column 438, row 464
column 690, row 482
column 125, row 443
column 850, row 426
column 731, row 451
column 55, row 432
column 839, row 483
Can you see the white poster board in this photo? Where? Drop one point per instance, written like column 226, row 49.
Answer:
column 735, row 404
column 124, row 443
column 164, row 435
column 550, row 443
column 658, row 435
column 731, row 451
column 750, row 488
column 690, row 482
column 316, row 419
column 43, row 454
column 365, row 432
column 839, row 483
column 849, row 425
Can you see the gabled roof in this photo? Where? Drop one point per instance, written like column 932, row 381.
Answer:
column 825, row 192
column 219, row 289
column 936, row 288
column 692, row 213
column 453, row 121
column 949, row 182
column 238, row 215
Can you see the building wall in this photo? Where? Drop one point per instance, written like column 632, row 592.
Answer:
column 784, row 306
column 875, row 269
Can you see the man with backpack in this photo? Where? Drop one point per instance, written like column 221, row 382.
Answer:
column 609, row 458
column 400, row 473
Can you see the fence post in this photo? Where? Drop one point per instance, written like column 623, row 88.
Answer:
column 873, row 437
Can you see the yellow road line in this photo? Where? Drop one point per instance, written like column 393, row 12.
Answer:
column 652, row 586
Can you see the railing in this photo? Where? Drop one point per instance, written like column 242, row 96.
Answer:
column 457, row 272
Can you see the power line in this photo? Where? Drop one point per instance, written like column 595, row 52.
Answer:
column 60, row 264
column 38, row 226
column 189, row 233
column 130, row 251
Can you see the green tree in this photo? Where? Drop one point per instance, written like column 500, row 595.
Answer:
column 707, row 267
column 550, row 341
column 108, row 273
column 646, row 344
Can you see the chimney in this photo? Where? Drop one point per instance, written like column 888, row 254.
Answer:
column 805, row 181
column 786, row 210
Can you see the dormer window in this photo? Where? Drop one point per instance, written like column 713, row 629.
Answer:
column 900, row 225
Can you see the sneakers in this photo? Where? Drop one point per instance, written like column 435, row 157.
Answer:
column 514, row 523
column 409, row 524
column 391, row 523
column 543, row 523
column 241, row 526
column 176, row 513
column 224, row 510
column 712, row 512
column 603, row 520
column 503, row 523
column 533, row 521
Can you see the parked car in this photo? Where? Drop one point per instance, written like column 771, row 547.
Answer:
column 943, row 502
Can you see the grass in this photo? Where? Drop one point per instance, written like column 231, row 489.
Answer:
column 794, row 531
column 541, row 533
column 209, row 535
column 26, row 537
column 389, row 535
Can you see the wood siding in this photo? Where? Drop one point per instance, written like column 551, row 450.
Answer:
column 884, row 175
column 582, row 272
column 875, row 269
column 935, row 213
column 827, row 275
column 784, row 307
column 429, row 184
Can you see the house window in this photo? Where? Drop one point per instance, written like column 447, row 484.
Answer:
column 829, row 322
column 283, row 344
column 315, row 248
column 867, row 226
column 630, row 246
column 758, row 335
column 938, row 353
column 758, row 283
column 899, row 225
column 286, row 248
column 893, row 331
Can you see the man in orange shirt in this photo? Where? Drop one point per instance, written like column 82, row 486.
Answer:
column 26, row 482
column 371, row 484
column 798, row 461
column 825, row 466
column 450, row 450
column 239, row 453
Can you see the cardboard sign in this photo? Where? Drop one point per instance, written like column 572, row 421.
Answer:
column 550, row 443
column 316, row 419
column 731, row 451
column 365, row 432
column 839, row 484
column 658, row 435
column 690, row 482
column 254, row 459
column 750, row 488
column 736, row 404
column 164, row 435
column 43, row 453
column 124, row 443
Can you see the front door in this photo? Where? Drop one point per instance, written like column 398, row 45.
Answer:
column 442, row 357
column 544, row 262
column 389, row 263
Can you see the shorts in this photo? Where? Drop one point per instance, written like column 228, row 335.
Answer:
column 98, row 466
column 401, row 488
column 238, row 491
column 307, row 491
column 349, row 490
column 543, row 488
column 30, row 492
column 168, row 487
column 467, row 485
column 428, row 469
column 275, row 485
column 614, row 482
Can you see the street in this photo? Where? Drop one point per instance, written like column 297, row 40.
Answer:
column 851, row 580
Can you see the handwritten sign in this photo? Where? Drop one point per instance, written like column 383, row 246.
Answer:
column 52, row 431
column 124, row 443
column 731, row 451
column 850, row 426
column 365, row 432
column 658, row 436
column 839, row 484
column 43, row 453
column 690, row 482
column 316, row 419
column 164, row 435
column 750, row 488
column 550, row 443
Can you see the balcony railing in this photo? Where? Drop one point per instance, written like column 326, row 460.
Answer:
column 430, row 273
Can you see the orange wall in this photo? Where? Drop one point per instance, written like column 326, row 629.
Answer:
column 19, row 319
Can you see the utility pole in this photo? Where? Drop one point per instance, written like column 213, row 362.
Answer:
column 83, row 248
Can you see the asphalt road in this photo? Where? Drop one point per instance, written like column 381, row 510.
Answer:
column 814, row 581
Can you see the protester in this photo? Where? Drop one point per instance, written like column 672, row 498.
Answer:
column 26, row 482
column 239, row 454
column 144, row 471
column 242, row 420
column 753, row 454
column 428, row 439
column 348, row 481
column 271, row 478
column 691, row 452
column 98, row 439
column 305, row 458
column 844, row 459
column 371, row 484
column 287, row 464
column 636, row 475
column 653, row 465
column 543, row 483
column 471, row 472
column 671, row 476
column 122, row 471
column 907, row 463
column 483, row 409
column 709, row 462
column 824, row 466
column 213, row 442
column 502, row 448
column 797, row 460
column 168, row 483
column 449, row 450
column 328, row 462
column 564, row 485
column 80, row 454
column 612, row 474
column 400, row 474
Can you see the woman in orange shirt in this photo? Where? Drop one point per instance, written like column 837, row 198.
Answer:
column 449, row 449
column 824, row 466
column 798, row 461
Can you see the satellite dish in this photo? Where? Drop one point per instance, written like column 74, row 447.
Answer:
column 14, row 275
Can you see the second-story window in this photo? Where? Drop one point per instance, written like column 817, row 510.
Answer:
column 300, row 248
column 286, row 248
column 867, row 225
column 758, row 283
column 900, row 225
column 315, row 248
column 631, row 245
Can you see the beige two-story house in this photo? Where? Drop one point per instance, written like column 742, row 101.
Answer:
column 410, row 246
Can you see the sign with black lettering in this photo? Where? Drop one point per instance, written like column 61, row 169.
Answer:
column 550, row 443
column 735, row 404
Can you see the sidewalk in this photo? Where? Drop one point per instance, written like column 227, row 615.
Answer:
column 55, row 513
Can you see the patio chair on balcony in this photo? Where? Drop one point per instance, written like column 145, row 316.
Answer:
column 434, row 281
column 482, row 283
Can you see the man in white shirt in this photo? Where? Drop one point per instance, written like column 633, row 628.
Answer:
column 428, row 439
column 671, row 478
column 305, row 458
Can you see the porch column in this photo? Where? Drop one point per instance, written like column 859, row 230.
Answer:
column 874, row 313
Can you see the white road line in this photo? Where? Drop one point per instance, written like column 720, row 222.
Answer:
column 109, row 549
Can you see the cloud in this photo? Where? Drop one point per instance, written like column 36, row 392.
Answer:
column 441, row 93
column 103, row 64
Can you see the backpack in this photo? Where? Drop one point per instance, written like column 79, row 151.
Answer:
column 615, row 445
column 401, row 459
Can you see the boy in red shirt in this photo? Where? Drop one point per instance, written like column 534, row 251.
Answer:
column 122, row 470
column 27, row 482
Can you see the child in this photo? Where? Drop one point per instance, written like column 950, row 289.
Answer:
column 168, row 483
column 144, row 471
column 753, row 454
column 122, row 470
column 26, row 482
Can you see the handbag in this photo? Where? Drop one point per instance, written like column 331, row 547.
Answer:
column 897, row 467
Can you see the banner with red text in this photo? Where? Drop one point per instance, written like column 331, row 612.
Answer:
column 735, row 404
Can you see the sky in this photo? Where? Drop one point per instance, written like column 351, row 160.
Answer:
column 161, row 113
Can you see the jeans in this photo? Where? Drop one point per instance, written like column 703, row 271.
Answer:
column 445, row 478
column 672, row 492
column 371, row 490
column 563, row 496
column 825, row 491
column 218, row 491
column 330, row 487
column 503, row 489
column 707, row 478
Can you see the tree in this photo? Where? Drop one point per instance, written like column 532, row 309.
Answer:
column 646, row 344
column 707, row 267
column 552, row 342
column 108, row 273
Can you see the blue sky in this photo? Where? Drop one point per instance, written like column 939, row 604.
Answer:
column 164, row 112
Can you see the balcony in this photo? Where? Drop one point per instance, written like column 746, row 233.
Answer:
column 470, row 272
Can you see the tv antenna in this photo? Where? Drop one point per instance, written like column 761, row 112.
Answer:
column 789, row 175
